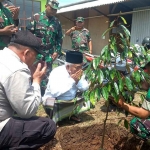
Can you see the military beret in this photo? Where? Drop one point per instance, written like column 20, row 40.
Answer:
column 74, row 57
column 80, row 19
column 26, row 38
column 53, row 3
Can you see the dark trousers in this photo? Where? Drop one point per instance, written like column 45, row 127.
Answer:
column 26, row 134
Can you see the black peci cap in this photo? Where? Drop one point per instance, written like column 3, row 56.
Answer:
column 26, row 38
column 74, row 57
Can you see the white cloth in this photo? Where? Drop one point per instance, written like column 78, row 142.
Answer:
column 62, row 86
column 17, row 93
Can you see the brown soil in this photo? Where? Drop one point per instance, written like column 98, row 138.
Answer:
column 88, row 134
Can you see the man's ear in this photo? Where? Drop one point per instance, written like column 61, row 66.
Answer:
column 26, row 52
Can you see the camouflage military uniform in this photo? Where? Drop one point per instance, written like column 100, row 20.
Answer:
column 50, row 32
column 5, row 20
column 141, row 127
column 80, row 39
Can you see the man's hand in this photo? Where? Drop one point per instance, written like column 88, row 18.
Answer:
column 39, row 72
column 73, row 28
column 16, row 13
column 8, row 30
column 120, row 103
column 14, row 10
column 76, row 76
column 54, row 56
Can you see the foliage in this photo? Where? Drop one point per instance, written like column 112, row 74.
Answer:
column 108, row 81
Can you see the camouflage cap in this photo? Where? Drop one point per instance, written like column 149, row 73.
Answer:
column 53, row 3
column 80, row 19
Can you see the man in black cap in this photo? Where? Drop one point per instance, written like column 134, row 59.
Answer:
column 65, row 81
column 20, row 95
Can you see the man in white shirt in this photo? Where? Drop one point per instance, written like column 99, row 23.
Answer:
column 20, row 95
column 66, row 80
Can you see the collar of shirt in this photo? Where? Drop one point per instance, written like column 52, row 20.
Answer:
column 10, row 52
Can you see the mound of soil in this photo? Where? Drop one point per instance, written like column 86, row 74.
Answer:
column 89, row 138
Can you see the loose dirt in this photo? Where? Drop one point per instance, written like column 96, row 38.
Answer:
column 88, row 134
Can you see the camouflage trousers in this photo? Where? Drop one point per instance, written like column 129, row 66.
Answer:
column 45, row 79
column 140, row 127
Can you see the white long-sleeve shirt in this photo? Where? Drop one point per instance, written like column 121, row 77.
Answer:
column 62, row 86
column 17, row 93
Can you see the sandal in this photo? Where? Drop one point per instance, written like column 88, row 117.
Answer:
column 76, row 119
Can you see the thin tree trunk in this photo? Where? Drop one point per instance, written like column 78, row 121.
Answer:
column 104, row 127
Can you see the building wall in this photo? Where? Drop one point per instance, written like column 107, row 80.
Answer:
column 140, row 25
column 43, row 2
column 96, row 26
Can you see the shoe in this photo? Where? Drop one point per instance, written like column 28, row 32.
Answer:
column 75, row 119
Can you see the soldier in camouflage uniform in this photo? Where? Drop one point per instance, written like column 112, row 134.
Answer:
column 80, row 36
column 140, row 124
column 47, row 27
column 8, row 23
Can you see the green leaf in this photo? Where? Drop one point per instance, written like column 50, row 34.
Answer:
column 143, row 50
column 92, row 98
column 97, row 93
column 129, row 54
column 118, row 76
column 126, row 124
column 116, row 88
column 119, row 122
column 86, row 95
column 114, row 95
column 104, row 49
column 127, row 32
column 128, row 84
column 121, row 85
column 121, row 35
column 96, row 63
column 112, row 23
column 100, row 76
column 124, row 21
column 105, row 93
column 112, row 73
column 109, row 87
column 106, row 31
column 137, row 76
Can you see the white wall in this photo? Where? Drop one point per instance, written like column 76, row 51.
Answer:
column 140, row 26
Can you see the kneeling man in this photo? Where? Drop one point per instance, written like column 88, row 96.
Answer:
column 64, row 82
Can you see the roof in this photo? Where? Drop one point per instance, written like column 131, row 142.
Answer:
column 87, row 5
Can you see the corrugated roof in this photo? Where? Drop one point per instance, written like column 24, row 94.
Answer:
column 88, row 5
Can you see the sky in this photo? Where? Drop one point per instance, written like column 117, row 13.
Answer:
column 66, row 2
